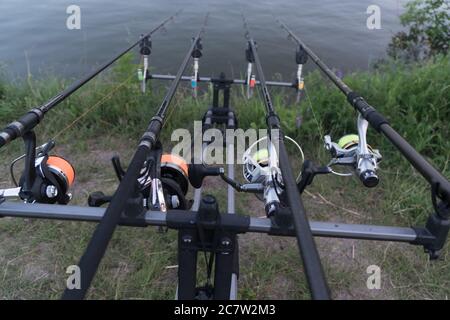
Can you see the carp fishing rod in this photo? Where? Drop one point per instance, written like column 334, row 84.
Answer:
column 33, row 117
column 438, row 224
column 308, row 251
column 102, row 235
column 438, row 182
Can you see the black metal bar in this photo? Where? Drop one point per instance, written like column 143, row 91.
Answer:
column 231, row 81
column 308, row 250
column 28, row 121
column 224, row 268
column 377, row 121
column 235, row 223
column 29, row 172
column 103, row 233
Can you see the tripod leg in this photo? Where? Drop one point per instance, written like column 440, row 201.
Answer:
column 187, row 265
column 224, row 268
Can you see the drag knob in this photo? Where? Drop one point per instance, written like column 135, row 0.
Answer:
column 369, row 178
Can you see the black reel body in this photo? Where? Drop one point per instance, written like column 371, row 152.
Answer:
column 53, row 178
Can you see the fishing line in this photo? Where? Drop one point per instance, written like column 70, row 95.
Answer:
column 319, row 127
column 95, row 105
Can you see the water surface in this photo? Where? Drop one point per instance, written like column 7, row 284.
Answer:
column 34, row 35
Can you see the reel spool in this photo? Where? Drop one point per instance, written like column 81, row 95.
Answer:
column 350, row 141
column 174, row 179
column 62, row 170
column 175, row 168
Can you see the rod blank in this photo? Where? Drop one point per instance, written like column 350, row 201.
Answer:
column 308, row 250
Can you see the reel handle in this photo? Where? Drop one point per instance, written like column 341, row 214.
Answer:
column 198, row 172
column 98, row 198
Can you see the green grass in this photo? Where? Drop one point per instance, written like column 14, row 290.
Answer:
column 415, row 99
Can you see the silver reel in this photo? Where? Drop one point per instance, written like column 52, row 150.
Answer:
column 260, row 166
column 352, row 150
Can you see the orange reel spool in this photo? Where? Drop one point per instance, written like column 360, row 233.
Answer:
column 175, row 168
column 62, row 169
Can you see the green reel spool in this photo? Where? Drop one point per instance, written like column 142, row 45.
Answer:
column 348, row 141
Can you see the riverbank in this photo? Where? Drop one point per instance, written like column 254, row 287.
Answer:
column 141, row 263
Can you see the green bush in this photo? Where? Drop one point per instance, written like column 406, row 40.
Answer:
column 428, row 23
column 415, row 98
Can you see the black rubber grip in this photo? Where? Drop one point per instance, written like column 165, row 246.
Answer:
column 17, row 128
column 154, row 127
column 369, row 113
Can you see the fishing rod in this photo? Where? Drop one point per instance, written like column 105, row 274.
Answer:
column 102, row 235
column 33, row 117
column 440, row 185
column 365, row 159
column 308, row 251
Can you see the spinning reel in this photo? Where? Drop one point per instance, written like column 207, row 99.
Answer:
column 260, row 166
column 352, row 150
column 261, row 171
column 162, row 189
column 46, row 178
